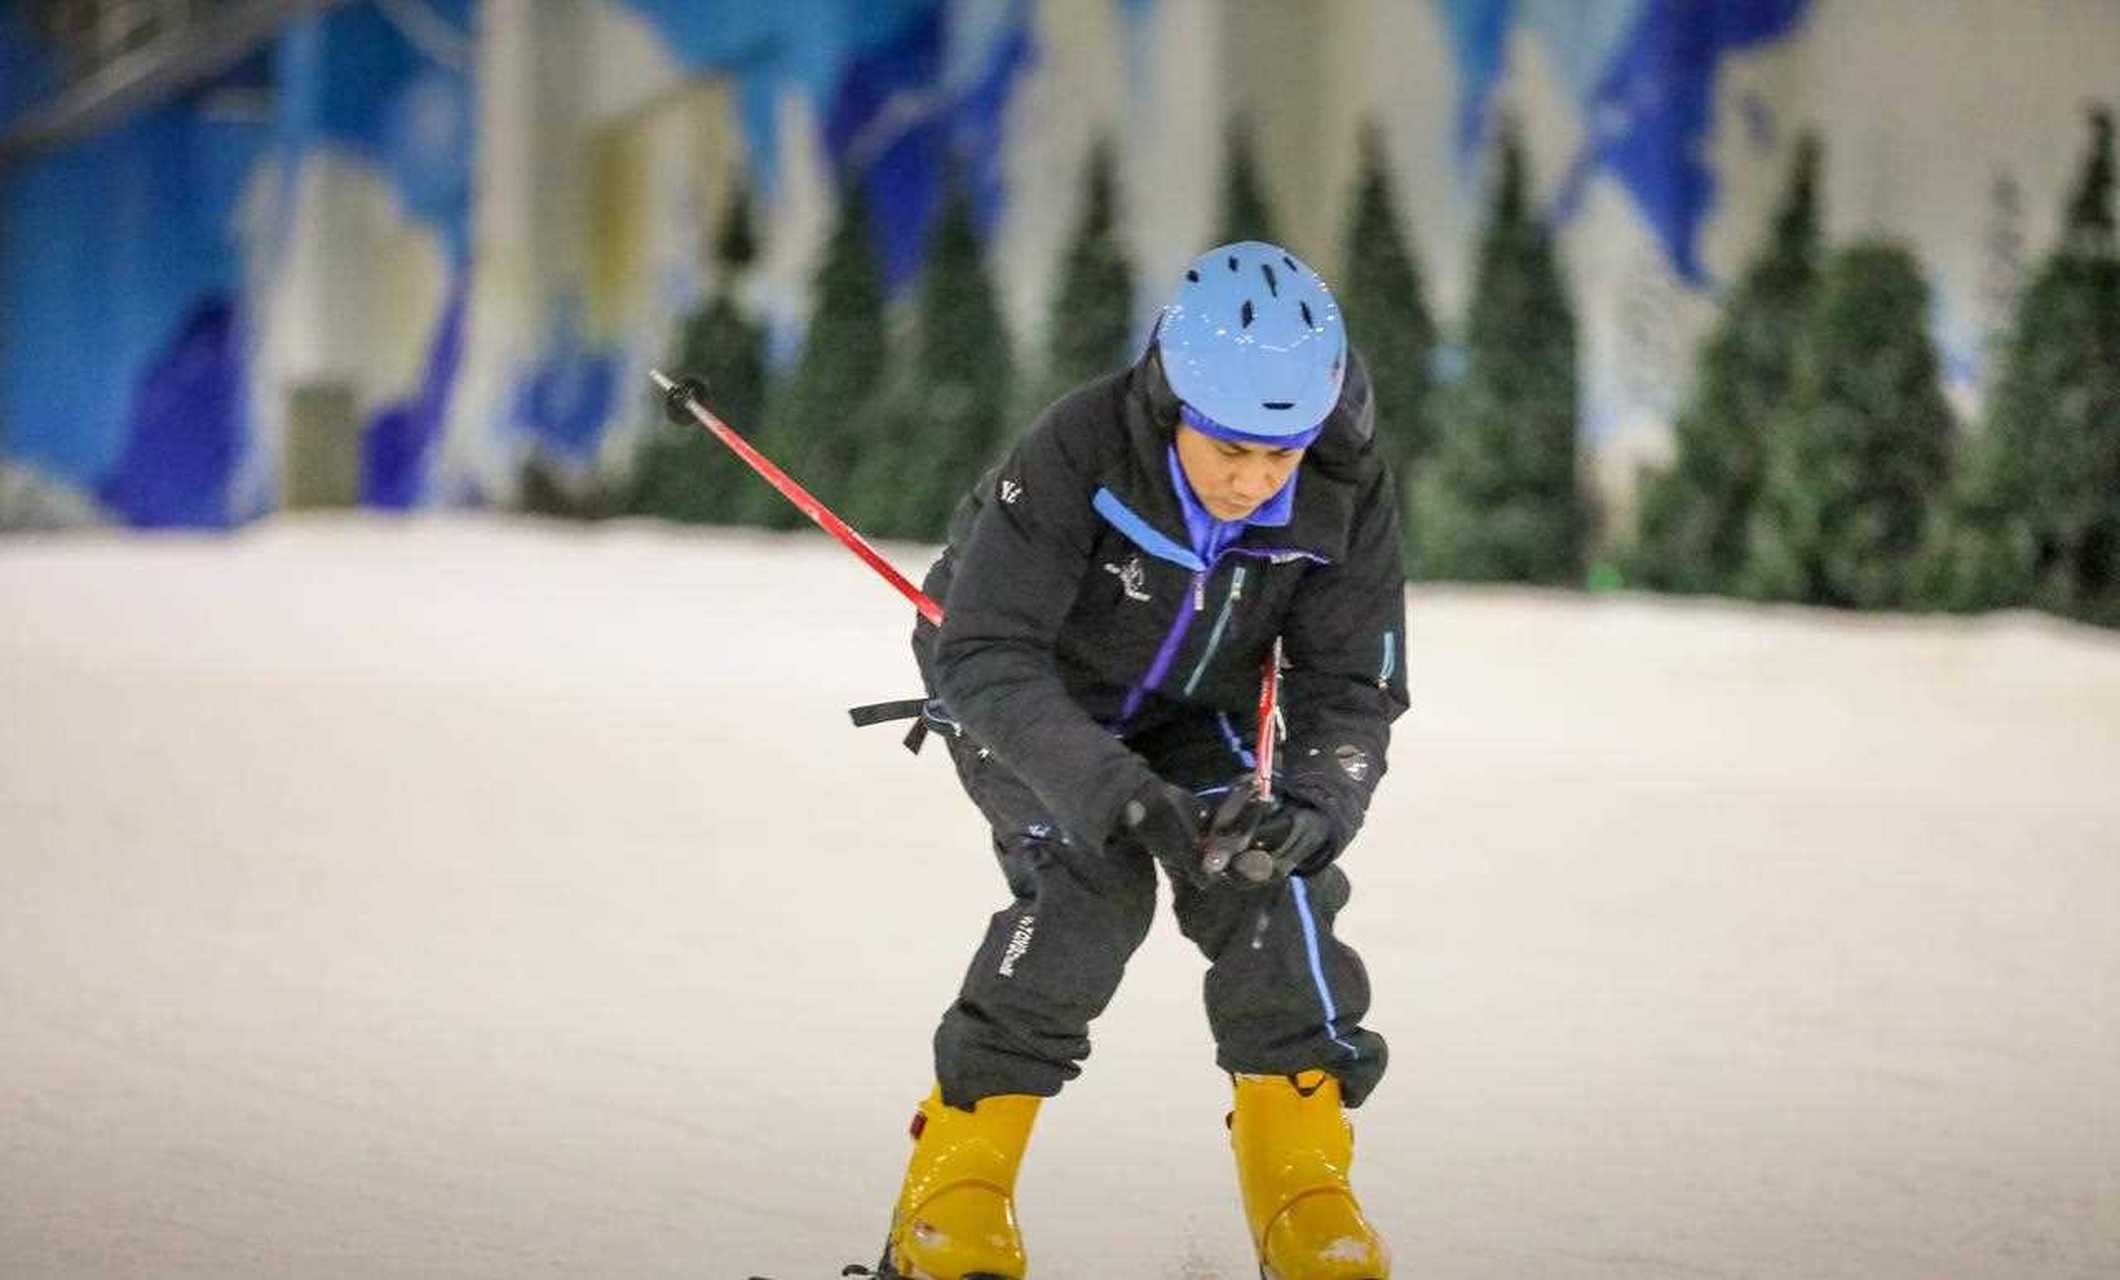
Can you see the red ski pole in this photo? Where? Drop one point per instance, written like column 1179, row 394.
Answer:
column 1269, row 710
column 684, row 397
column 1236, row 822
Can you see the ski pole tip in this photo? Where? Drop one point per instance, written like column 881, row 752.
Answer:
column 680, row 396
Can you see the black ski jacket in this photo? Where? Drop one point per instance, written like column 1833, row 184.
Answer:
column 1080, row 628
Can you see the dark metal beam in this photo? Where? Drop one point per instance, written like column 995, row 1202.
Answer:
column 165, row 64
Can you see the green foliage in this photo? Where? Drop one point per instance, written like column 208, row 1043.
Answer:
column 2037, row 519
column 1498, row 500
column 941, row 422
column 1381, row 301
column 1978, row 557
column 1855, row 459
column 2090, row 226
column 549, row 488
column 811, row 419
column 1092, row 314
column 1246, row 212
column 1695, row 516
column 736, row 244
column 681, row 472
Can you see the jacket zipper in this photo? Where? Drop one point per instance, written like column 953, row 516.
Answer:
column 1153, row 678
column 1214, row 637
column 1168, row 652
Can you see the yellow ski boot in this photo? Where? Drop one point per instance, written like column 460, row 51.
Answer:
column 956, row 1216
column 1293, row 1147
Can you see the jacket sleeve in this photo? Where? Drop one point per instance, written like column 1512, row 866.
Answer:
column 1016, row 580
column 1344, row 645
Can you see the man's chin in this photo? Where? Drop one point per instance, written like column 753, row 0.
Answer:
column 1228, row 511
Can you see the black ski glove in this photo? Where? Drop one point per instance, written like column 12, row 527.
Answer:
column 1293, row 839
column 1264, row 841
column 1165, row 820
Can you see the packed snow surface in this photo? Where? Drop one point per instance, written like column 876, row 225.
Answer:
column 455, row 897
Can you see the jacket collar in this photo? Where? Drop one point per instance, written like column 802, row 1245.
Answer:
column 1207, row 533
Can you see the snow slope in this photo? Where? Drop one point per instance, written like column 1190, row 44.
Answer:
column 498, row 899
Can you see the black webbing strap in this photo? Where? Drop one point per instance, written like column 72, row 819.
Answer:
column 878, row 712
column 902, row 709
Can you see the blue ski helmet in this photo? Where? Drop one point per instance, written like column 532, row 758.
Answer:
column 1252, row 346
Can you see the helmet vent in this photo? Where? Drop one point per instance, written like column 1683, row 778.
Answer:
column 1193, row 276
column 1246, row 313
column 1232, row 262
column 1273, row 282
column 1288, row 262
column 1307, row 320
column 1278, row 404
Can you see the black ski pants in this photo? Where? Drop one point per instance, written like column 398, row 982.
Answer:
column 1283, row 994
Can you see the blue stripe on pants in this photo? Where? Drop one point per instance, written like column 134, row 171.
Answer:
column 1317, row 965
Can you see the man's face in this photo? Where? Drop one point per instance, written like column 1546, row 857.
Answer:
column 1232, row 479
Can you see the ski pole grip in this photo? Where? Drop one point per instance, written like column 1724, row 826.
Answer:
column 682, row 395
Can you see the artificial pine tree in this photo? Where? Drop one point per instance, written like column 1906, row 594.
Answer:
column 2038, row 518
column 546, row 488
column 1498, row 498
column 1862, row 447
column 812, row 420
column 1246, row 212
column 1695, row 515
column 1387, row 317
column 684, row 474
column 1092, row 314
column 944, row 421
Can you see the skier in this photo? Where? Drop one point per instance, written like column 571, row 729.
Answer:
column 1111, row 592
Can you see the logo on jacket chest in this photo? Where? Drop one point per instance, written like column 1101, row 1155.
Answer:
column 1133, row 579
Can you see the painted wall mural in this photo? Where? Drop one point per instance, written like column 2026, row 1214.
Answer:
column 474, row 223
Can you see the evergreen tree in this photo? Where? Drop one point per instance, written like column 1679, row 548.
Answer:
column 546, row 487
column 736, row 243
column 1862, row 448
column 1498, row 498
column 1246, row 212
column 683, row 473
column 811, row 420
column 942, row 423
column 1382, row 303
column 1695, row 516
column 1092, row 316
column 2038, row 517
